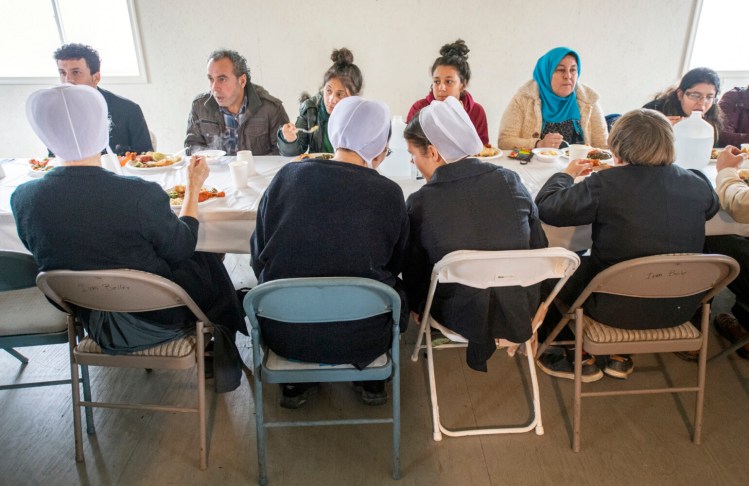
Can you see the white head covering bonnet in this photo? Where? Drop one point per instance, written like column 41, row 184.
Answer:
column 448, row 127
column 71, row 120
column 361, row 126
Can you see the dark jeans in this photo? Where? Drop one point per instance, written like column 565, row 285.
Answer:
column 736, row 247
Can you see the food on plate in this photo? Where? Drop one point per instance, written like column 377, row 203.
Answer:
column 488, row 152
column 744, row 150
column 597, row 164
column 715, row 152
column 313, row 156
column 40, row 165
column 177, row 194
column 521, row 154
column 149, row 160
column 597, row 154
column 744, row 174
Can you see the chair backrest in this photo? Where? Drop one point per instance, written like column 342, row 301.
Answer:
column 119, row 290
column 484, row 269
column 17, row 270
column 321, row 299
column 664, row 276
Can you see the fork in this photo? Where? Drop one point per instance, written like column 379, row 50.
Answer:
column 311, row 130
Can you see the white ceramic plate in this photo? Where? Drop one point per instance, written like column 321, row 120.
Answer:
column 211, row 156
column 545, row 154
column 39, row 173
column 207, row 201
column 152, row 170
column 491, row 157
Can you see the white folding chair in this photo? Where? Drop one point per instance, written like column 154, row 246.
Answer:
column 124, row 290
column 482, row 270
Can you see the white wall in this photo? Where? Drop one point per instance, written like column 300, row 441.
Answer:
column 629, row 50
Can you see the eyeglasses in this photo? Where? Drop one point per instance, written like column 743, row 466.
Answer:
column 700, row 97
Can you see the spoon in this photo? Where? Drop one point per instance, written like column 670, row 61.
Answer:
column 311, row 130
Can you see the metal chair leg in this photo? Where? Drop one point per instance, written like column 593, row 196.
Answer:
column 23, row 359
column 260, row 429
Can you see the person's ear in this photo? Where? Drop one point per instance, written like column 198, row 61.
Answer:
column 97, row 78
column 434, row 156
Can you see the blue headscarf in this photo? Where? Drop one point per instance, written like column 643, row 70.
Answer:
column 554, row 108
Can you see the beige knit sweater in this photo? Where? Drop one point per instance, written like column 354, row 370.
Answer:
column 521, row 122
column 733, row 194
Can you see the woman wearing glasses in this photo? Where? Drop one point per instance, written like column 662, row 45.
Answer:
column 697, row 91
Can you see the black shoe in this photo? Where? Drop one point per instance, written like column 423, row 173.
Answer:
column 732, row 331
column 560, row 363
column 619, row 366
column 372, row 392
column 294, row 395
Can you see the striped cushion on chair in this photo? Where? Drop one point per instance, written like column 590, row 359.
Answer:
column 601, row 333
column 172, row 349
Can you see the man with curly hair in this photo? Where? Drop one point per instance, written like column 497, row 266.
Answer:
column 128, row 132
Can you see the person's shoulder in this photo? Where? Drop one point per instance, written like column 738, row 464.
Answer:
column 419, row 104
column 117, row 100
column 585, row 93
column 264, row 95
column 529, row 89
column 310, row 103
column 202, row 98
column 384, row 184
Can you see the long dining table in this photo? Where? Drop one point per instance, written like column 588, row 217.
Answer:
column 227, row 223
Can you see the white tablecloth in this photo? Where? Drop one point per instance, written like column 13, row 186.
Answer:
column 227, row 223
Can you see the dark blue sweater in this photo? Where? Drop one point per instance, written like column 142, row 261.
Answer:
column 323, row 218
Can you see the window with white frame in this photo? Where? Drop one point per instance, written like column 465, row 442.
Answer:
column 720, row 39
column 34, row 29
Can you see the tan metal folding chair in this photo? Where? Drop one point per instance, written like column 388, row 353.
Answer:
column 653, row 277
column 128, row 291
column 482, row 270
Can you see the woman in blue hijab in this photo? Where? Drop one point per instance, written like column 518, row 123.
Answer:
column 553, row 108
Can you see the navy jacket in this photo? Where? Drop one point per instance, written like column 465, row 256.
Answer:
column 323, row 218
column 635, row 211
column 471, row 205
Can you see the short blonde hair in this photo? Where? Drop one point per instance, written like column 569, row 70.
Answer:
column 643, row 137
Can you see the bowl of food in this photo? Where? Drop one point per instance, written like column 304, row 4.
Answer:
column 545, row 154
column 211, row 156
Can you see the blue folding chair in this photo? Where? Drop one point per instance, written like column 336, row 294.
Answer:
column 320, row 300
column 28, row 319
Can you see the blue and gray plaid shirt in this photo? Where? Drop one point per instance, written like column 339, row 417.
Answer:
column 229, row 137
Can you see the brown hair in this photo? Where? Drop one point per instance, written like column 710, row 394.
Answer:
column 415, row 134
column 455, row 55
column 344, row 70
column 643, row 137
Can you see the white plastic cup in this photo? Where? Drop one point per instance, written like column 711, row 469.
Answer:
column 238, row 170
column 578, row 151
column 246, row 156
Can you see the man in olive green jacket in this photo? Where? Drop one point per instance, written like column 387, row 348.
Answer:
column 235, row 114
